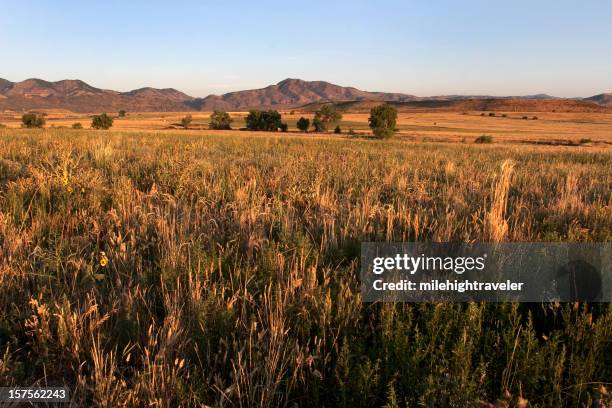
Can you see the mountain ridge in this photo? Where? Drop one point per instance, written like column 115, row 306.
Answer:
column 78, row 96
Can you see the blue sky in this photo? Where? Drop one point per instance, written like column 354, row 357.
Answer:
column 424, row 48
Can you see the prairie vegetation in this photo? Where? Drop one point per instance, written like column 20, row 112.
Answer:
column 222, row 270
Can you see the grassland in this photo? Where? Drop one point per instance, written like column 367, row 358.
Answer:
column 549, row 127
column 221, row 268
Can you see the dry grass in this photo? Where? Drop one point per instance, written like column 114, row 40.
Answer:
column 188, row 269
column 558, row 127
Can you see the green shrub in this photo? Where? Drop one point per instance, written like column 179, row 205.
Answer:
column 337, row 130
column 284, row 127
column 383, row 119
column 491, row 113
column 585, row 141
column 102, row 121
column 122, row 113
column 484, row 139
column 33, row 120
column 269, row 120
column 303, row 124
column 324, row 117
column 220, row 121
column 77, row 125
column 186, row 121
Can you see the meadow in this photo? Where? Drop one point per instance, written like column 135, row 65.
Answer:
column 198, row 268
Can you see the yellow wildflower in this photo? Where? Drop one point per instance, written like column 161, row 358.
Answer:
column 103, row 260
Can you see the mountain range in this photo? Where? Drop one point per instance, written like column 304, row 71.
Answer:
column 78, row 96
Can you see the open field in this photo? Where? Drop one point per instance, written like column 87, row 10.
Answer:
column 221, row 268
column 433, row 126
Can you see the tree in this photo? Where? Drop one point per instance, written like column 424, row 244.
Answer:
column 284, row 127
column 383, row 119
column 303, row 124
column 269, row 120
column 324, row 117
column 337, row 130
column 186, row 121
column 33, row 120
column 318, row 125
column 122, row 113
column 102, row 121
column 220, row 121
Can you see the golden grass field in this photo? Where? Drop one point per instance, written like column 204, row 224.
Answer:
column 150, row 267
column 432, row 126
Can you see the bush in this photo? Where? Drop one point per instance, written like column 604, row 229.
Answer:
column 77, row 125
column 585, row 141
column 484, row 139
column 33, row 120
column 318, row 125
column 292, row 112
column 122, row 113
column 220, row 121
column 303, row 124
column 382, row 121
column 324, row 117
column 186, row 121
column 482, row 114
column 284, row 127
column 337, row 130
column 535, row 118
column 491, row 113
column 102, row 121
column 504, row 115
column 525, row 117
column 269, row 120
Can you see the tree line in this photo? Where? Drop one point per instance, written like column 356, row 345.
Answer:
column 382, row 121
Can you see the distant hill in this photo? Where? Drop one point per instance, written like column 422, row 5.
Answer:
column 78, row 96
column 604, row 99
column 464, row 105
column 292, row 93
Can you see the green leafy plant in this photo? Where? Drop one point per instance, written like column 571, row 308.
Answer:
column 383, row 119
column 102, row 121
column 220, row 121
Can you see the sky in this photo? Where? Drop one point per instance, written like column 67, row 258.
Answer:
column 562, row 48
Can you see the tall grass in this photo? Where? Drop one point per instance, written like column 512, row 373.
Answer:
column 147, row 269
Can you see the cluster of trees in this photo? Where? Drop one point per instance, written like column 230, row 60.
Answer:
column 33, row 120
column 269, row 120
column 37, row 120
column 382, row 121
column 324, row 118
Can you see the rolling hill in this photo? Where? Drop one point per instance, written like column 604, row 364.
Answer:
column 292, row 93
column 78, row 96
column 471, row 104
column 604, row 99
